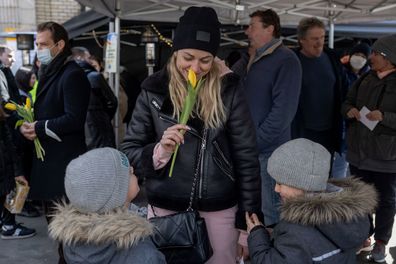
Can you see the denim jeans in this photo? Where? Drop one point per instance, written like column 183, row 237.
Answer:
column 270, row 199
column 340, row 166
column 385, row 183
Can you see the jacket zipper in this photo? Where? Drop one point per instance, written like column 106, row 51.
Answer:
column 229, row 174
column 203, row 147
column 221, row 152
column 172, row 121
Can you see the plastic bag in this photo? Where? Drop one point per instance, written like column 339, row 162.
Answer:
column 16, row 198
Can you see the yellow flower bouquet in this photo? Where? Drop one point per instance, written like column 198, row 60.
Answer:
column 26, row 113
column 192, row 90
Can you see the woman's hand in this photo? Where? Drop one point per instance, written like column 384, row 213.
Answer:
column 375, row 115
column 22, row 179
column 354, row 113
column 251, row 221
column 173, row 136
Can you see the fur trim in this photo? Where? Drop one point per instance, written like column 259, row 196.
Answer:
column 121, row 227
column 357, row 199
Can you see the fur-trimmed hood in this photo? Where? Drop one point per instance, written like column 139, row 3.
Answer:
column 339, row 216
column 120, row 227
column 356, row 199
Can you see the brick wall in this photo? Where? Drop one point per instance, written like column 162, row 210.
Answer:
column 56, row 10
column 17, row 15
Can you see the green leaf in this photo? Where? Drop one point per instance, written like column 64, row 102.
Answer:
column 19, row 123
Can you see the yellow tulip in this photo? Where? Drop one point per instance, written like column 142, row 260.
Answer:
column 28, row 104
column 10, row 106
column 192, row 78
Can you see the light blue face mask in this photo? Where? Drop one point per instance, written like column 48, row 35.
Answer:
column 44, row 55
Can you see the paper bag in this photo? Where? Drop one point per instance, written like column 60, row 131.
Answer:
column 16, row 198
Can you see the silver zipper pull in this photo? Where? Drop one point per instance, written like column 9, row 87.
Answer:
column 203, row 145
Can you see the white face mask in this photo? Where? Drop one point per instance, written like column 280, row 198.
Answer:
column 357, row 62
column 44, row 55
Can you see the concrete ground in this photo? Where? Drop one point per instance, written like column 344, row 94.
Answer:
column 40, row 249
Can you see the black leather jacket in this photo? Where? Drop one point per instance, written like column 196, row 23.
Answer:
column 229, row 173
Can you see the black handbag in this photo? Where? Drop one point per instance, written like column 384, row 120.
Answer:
column 182, row 237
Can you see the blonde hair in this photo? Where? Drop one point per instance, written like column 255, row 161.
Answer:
column 209, row 106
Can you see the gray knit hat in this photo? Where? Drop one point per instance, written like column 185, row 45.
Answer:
column 300, row 163
column 387, row 46
column 98, row 180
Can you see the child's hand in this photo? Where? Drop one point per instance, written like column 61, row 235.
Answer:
column 251, row 221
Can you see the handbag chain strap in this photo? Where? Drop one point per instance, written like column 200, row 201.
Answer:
column 197, row 169
column 200, row 156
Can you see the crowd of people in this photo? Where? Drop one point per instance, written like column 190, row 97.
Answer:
column 263, row 158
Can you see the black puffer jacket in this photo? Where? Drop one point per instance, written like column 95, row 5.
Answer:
column 229, row 174
column 324, row 228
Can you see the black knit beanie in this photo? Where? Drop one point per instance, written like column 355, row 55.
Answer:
column 198, row 28
column 363, row 48
column 387, row 46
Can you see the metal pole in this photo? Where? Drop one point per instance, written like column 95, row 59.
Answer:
column 331, row 33
column 117, row 74
column 111, row 75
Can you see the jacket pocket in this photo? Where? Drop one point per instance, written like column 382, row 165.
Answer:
column 221, row 161
column 173, row 121
column 382, row 147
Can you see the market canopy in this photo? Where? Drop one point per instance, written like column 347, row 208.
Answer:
column 237, row 11
column 85, row 22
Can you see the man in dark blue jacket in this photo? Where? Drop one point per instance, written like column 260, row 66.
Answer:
column 323, row 88
column 271, row 78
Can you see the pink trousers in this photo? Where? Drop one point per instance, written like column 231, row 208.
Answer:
column 221, row 230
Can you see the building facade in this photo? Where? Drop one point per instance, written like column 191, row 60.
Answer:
column 24, row 15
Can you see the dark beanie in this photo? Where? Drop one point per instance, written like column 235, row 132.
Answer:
column 387, row 46
column 198, row 28
column 363, row 48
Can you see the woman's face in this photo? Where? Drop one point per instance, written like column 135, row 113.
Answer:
column 32, row 80
column 198, row 60
column 95, row 64
column 379, row 62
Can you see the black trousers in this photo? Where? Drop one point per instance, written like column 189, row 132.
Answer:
column 49, row 210
column 385, row 183
column 6, row 217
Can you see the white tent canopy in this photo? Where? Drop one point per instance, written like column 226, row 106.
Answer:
column 237, row 11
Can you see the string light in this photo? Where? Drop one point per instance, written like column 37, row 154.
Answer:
column 161, row 37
